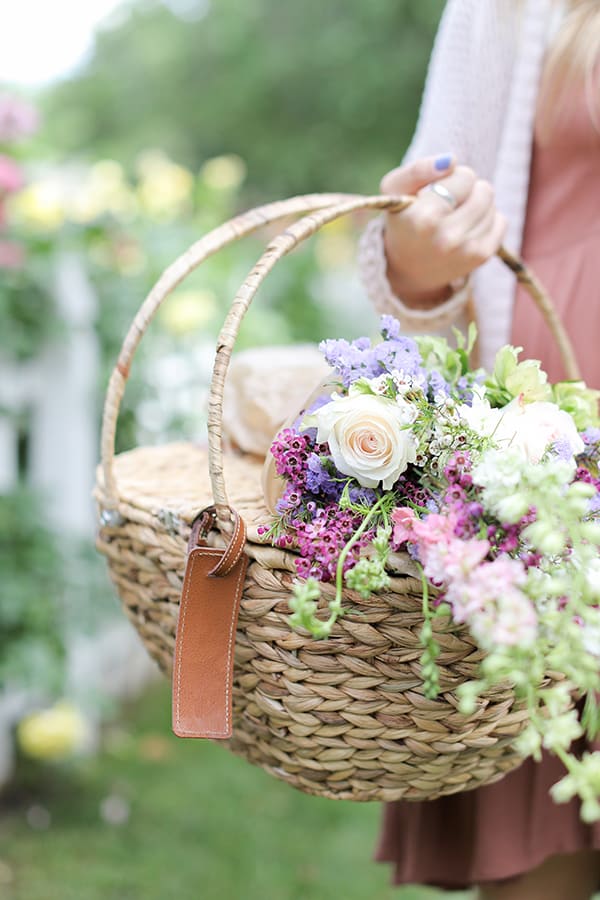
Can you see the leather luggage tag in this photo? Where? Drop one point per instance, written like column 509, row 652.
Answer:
column 204, row 648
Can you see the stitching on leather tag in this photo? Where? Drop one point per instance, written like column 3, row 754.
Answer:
column 203, row 663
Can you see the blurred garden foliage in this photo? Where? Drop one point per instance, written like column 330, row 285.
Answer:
column 31, row 639
column 186, row 112
column 313, row 96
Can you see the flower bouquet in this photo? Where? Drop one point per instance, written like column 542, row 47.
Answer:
column 490, row 484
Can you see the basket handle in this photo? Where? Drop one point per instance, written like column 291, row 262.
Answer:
column 322, row 209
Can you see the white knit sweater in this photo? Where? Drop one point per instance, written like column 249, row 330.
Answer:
column 479, row 103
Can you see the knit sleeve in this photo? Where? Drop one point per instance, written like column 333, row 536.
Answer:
column 441, row 125
column 447, row 110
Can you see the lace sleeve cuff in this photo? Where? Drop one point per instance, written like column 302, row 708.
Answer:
column 372, row 266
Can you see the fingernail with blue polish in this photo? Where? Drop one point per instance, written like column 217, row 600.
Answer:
column 443, row 162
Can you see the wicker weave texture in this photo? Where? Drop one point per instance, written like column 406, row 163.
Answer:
column 343, row 718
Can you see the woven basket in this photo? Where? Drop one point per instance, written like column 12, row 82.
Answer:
column 343, row 718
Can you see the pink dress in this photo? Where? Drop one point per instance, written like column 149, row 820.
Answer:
column 505, row 829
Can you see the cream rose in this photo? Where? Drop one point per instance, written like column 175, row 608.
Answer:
column 368, row 437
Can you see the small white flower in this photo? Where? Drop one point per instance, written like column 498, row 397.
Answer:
column 405, row 383
column 380, row 384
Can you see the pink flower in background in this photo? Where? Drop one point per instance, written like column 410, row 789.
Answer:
column 491, row 601
column 11, row 177
column 428, row 531
column 436, row 528
column 18, row 119
column 404, row 519
column 452, row 560
column 12, row 255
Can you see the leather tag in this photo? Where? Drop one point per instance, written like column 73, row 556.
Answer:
column 204, row 648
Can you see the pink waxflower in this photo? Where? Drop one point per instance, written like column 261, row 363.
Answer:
column 11, row 178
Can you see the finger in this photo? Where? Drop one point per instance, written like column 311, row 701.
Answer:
column 479, row 250
column 453, row 232
column 470, row 217
column 459, row 185
column 410, row 178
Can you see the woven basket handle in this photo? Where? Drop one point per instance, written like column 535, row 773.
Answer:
column 322, row 209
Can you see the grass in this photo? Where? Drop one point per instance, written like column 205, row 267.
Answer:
column 153, row 817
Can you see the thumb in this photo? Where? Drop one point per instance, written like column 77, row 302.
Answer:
column 413, row 176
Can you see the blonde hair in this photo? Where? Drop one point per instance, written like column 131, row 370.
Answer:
column 572, row 58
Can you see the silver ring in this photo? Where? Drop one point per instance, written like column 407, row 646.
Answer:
column 442, row 191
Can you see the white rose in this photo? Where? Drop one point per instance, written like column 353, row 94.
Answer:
column 528, row 427
column 533, row 427
column 368, row 437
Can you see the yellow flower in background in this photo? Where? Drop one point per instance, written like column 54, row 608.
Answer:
column 165, row 188
column 224, row 173
column 104, row 190
column 335, row 245
column 53, row 733
column 40, row 205
column 188, row 311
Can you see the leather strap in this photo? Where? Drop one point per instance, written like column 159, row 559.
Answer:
column 204, row 648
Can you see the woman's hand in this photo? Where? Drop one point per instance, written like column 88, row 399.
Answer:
column 441, row 237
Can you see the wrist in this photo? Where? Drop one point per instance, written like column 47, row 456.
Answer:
column 422, row 298
column 414, row 297
column 410, row 290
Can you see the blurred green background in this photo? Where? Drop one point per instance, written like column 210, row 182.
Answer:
column 180, row 114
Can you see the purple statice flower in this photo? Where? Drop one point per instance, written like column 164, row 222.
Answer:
column 562, row 449
column 594, row 503
column 400, row 354
column 465, row 384
column 591, row 436
column 437, row 386
column 389, row 328
column 363, row 495
column 360, row 359
column 319, row 477
column 351, row 360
